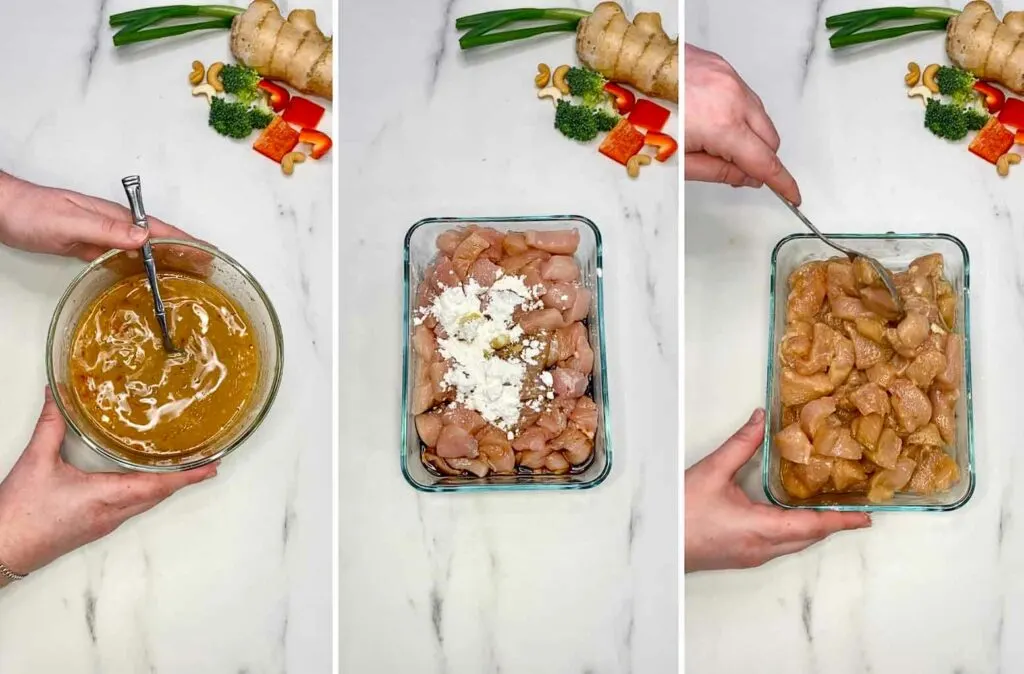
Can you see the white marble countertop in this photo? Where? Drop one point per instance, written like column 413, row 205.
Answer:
column 531, row 583
column 917, row 592
column 235, row 574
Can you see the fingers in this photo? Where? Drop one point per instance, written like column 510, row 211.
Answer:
column 788, row 526
column 132, row 490
column 158, row 229
column 104, row 232
column 737, row 450
column 49, row 432
column 757, row 159
column 762, row 125
column 702, row 167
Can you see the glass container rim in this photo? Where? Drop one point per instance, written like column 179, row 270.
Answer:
column 261, row 415
column 474, row 487
column 766, row 443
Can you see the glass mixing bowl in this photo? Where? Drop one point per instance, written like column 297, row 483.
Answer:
column 171, row 255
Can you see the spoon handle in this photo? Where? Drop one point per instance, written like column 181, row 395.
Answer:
column 133, row 189
column 803, row 218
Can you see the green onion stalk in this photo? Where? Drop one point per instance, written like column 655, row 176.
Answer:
column 488, row 28
column 870, row 25
column 155, row 23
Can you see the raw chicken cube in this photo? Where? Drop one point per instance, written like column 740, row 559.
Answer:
column 843, row 360
column 846, row 474
column 793, row 444
column 808, row 286
column 923, row 369
column 813, row 415
column 467, row 252
column 866, row 430
column 561, row 295
column 872, row 328
column 936, row 471
column 944, row 413
column 575, row 446
column 949, row 379
column 822, row 350
column 888, row 452
column 837, row 442
column 871, row 399
column 557, row 463
column 560, row 268
column 569, row 383
column 866, row 352
column 580, row 308
column 485, row 272
column 912, row 407
column 558, row 242
column 540, row 319
column 928, row 435
column 885, row 483
column 552, row 421
column 840, row 279
column 475, row 466
column 455, row 442
column 850, row 309
column 533, row 439
column 584, row 416
column 879, row 302
column 913, row 330
column 514, row 244
column 428, row 427
column 806, row 481
column 515, row 263
column 797, row 390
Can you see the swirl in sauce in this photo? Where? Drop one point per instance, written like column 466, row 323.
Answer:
column 124, row 383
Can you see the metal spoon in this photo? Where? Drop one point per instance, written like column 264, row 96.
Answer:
column 879, row 268
column 133, row 188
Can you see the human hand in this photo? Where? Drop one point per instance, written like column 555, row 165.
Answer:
column 726, row 530
column 41, row 219
column 729, row 137
column 49, row 508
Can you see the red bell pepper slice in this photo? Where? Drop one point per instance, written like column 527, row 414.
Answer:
column 277, row 140
column 648, row 115
column 992, row 142
column 278, row 96
column 320, row 141
column 303, row 113
column 1012, row 113
column 622, row 142
column 1018, row 138
column 624, row 98
column 994, row 96
column 665, row 143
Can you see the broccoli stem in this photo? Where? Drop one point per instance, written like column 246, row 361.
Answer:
column 136, row 23
column 481, row 27
column 853, row 25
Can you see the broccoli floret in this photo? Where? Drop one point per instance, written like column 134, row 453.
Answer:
column 975, row 119
column 575, row 121
column 605, row 120
column 241, row 82
column 955, row 83
column 260, row 117
column 230, row 118
column 945, row 120
column 586, row 84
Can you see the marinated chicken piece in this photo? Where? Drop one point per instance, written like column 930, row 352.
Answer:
column 843, row 361
column 822, row 351
column 559, row 242
column 552, row 420
column 540, row 319
column 887, row 453
column 864, row 273
column 845, row 474
column 485, row 272
column 866, row 352
column 806, row 481
column 428, row 427
column 885, row 483
column 944, row 413
column 911, row 405
column 514, row 244
column 866, row 430
column 584, row 416
column 928, row 435
column 581, row 356
column 949, row 378
column 796, row 343
column 533, row 460
column 913, row 330
column 936, row 471
column 923, row 369
column 494, row 251
column 797, row 389
column 842, row 392
column 879, row 302
column 515, row 263
column 850, row 309
column 871, row 399
column 790, row 415
column 436, row 278
column 793, row 444
column 580, row 307
column 883, row 374
column 560, row 268
column 463, row 417
column 477, row 467
column 440, row 464
column 808, row 286
column 455, row 442
column 560, row 295
column 574, row 445
column 532, row 277
column 533, row 439
column 837, row 442
column 449, row 240
column 557, row 464
column 947, row 310
column 840, row 279
column 813, row 415
column 500, row 458
column 424, row 344
column 561, row 345
column 467, row 252
column 872, row 328
column 570, row 383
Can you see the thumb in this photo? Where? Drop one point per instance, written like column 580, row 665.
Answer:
column 107, row 232
column 49, row 432
column 738, row 449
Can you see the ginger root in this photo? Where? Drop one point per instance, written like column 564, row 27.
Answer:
column 293, row 50
column 639, row 53
column 976, row 40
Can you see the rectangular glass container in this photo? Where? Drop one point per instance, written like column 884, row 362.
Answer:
column 895, row 251
column 420, row 251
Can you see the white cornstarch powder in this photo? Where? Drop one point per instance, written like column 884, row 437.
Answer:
column 477, row 322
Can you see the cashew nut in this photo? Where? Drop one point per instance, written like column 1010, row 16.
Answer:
column 543, row 75
column 1003, row 163
column 289, row 161
column 213, row 76
column 204, row 90
column 550, row 92
column 928, row 78
column 196, row 76
column 913, row 75
column 559, row 79
column 634, row 163
column 920, row 90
